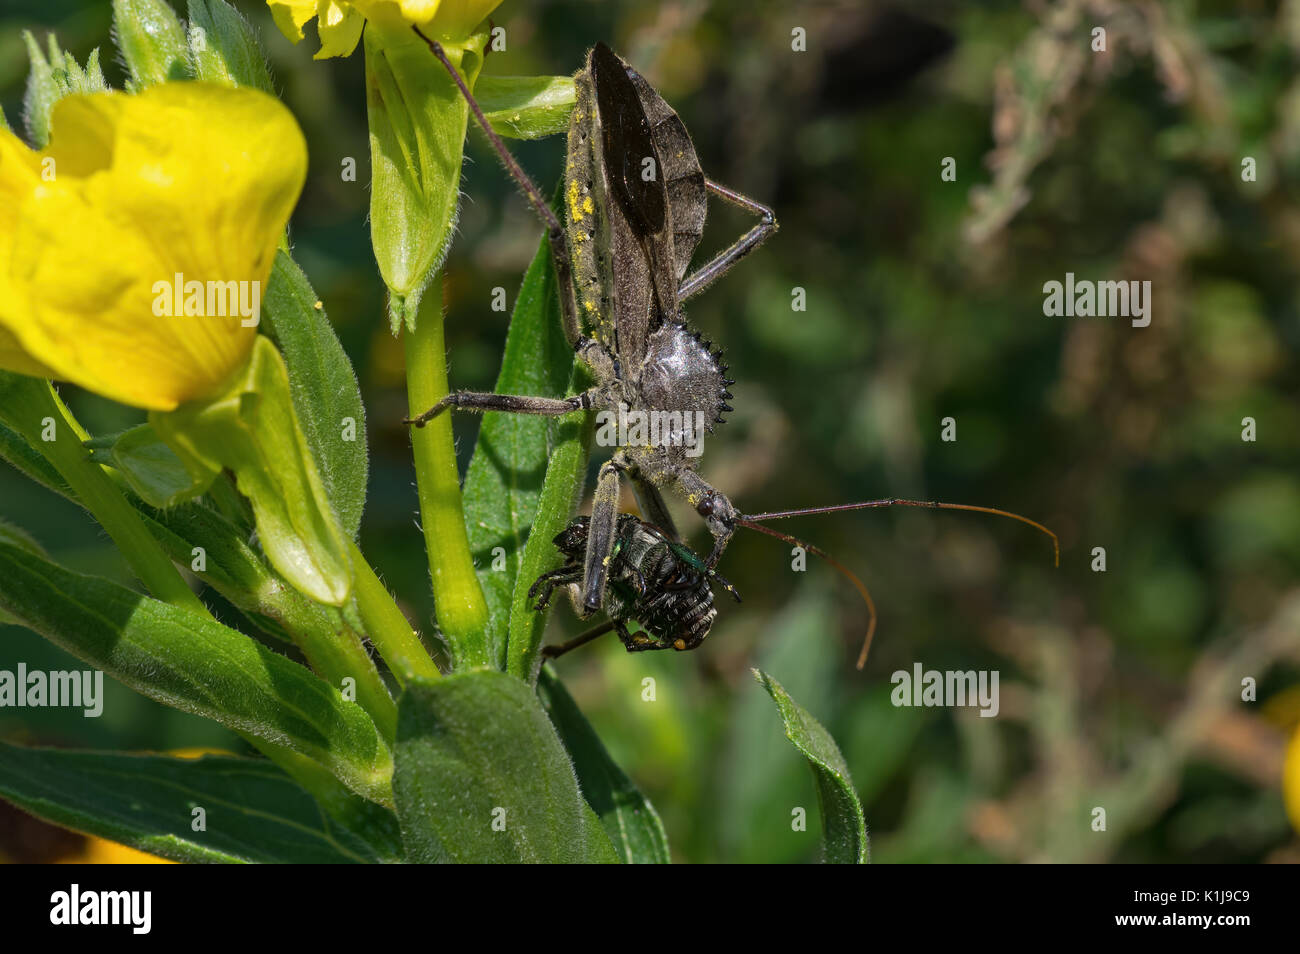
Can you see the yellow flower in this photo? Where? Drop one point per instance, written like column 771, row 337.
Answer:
column 340, row 21
column 136, row 202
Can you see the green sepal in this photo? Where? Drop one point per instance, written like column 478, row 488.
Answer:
column 52, row 78
column 152, row 41
column 526, row 107
column 417, row 119
column 223, row 47
column 252, row 430
column 151, row 468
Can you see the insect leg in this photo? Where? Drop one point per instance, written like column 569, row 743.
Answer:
column 511, row 403
column 547, row 582
column 712, row 270
column 554, row 231
column 555, row 652
column 714, row 506
column 652, row 506
column 600, row 539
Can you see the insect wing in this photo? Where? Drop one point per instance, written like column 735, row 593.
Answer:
column 682, row 176
column 628, row 144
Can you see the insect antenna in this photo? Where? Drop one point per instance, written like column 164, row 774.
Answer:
column 852, row 577
column 755, row 522
column 926, row 504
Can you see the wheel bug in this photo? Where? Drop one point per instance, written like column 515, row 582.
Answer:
column 635, row 199
column 657, row 581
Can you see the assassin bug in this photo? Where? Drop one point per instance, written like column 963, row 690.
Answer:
column 655, row 580
column 635, row 199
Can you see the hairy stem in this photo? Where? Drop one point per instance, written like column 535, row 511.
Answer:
column 458, row 598
column 388, row 627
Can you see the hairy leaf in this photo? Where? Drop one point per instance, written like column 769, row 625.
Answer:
column 252, row 811
column 503, row 484
column 629, row 819
column 197, row 665
column 325, row 392
column 481, row 776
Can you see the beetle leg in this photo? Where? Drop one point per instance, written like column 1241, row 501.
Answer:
column 555, row 651
column 548, row 581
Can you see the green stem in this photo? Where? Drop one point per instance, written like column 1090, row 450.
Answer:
column 34, row 409
column 388, row 627
column 336, row 654
column 458, row 598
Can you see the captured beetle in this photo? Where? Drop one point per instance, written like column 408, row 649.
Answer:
column 655, row 581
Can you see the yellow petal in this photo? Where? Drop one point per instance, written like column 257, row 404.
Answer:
column 453, row 19
column 339, row 27
column 13, row 357
column 184, row 182
column 291, row 15
column 19, row 175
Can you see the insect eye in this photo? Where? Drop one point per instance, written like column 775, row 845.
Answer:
column 705, row 509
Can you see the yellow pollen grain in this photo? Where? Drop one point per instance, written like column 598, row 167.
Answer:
column 575, row 208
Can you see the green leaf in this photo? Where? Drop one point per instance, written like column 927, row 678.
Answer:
column 324, row 387
column 197, row 665
column 526, row 107
column 151, row 468
column 239, row 573
column 20, row 538
column 844, row 831
column 253, row 811
column 228, row 51
column 152, row 41
column 503, row 484
column 30, row 462
column 476, row 748
column 565, row 476
column 629, row 819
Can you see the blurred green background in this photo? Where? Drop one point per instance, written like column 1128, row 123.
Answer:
column 1119, row 689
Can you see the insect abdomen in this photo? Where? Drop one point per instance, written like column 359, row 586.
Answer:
column 584, row 210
